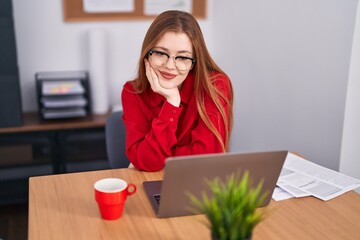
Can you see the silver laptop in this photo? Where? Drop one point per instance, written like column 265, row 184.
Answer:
column 188, row 174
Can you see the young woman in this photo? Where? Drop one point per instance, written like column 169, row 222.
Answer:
column 181, row 102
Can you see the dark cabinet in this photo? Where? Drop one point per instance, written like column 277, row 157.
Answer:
column 10, row 99
column 51, row 147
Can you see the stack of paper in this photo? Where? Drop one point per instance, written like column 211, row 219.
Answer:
column 64, row 113
column 62, row 102
column 302, row 178
column 63, row 99
column 51, row 88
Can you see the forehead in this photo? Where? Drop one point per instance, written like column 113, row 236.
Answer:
column 175, row 41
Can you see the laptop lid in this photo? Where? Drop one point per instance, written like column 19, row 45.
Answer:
column 189, row 173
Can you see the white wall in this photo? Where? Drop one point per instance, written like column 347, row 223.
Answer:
column 350, row 150
column 46, row 43
column 289, row 62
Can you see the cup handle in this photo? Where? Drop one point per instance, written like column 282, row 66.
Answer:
column 131, row 187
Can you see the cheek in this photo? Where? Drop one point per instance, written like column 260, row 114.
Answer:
column 182, row 77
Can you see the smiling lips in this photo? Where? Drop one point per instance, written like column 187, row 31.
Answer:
column 167, row 75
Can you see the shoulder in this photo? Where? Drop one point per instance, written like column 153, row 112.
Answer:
column 129, row 86
column 128, row 92
column 221, row 81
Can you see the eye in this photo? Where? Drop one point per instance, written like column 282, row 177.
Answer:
column 182, row 59
column 158, row 53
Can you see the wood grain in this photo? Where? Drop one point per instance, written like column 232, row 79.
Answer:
column 63, row 207
column 73, row 11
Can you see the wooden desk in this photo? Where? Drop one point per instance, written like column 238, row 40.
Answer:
column 63, row 207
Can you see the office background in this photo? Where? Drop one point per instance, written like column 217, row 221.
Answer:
column 289, row 62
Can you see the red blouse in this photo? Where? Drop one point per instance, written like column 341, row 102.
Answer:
column 155, row 129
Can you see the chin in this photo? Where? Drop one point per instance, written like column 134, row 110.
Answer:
column 168, row 84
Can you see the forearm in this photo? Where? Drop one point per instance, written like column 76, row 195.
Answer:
column 148, row 145
column 203, row 141
column 148, row 153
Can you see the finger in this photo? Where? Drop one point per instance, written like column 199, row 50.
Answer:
column 152, row 77
column 147, row 66
column 154, row 82
column 148, row 72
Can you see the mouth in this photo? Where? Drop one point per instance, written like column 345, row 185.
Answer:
column 167, row 76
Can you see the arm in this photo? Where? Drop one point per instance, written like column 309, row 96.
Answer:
column 202, row 139
column 149, row 139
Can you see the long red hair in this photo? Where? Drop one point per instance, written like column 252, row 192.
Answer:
column 177, row 21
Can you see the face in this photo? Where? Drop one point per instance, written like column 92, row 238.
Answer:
column 177, row 46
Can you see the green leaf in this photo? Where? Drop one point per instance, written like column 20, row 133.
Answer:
column 232, row 206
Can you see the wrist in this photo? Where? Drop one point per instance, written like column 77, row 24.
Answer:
column 175, row 101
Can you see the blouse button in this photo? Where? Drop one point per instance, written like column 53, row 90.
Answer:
column 171, row 119
column 174, row 111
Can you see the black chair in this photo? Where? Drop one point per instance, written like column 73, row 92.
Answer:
column 115, row 141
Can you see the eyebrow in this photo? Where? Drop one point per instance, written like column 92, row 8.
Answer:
column 167, row 50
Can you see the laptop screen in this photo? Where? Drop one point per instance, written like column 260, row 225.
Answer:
column 188, row 174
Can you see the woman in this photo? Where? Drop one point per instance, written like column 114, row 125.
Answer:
column 181, row 102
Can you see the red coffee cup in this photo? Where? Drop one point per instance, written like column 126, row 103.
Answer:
column 110, row 194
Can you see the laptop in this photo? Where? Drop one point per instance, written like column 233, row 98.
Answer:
column 188, row 174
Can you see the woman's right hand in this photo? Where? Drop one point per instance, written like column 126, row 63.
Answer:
column 172, row 95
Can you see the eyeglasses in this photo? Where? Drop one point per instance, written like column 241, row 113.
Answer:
column 182, row 63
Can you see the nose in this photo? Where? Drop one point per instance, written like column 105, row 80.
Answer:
column 170, row 64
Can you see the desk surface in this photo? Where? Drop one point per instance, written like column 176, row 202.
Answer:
column 63, row 207
column 31, row 123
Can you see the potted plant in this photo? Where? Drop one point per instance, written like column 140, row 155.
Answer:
column 232, row 209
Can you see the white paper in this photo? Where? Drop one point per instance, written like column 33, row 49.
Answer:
column 62, row 87
column 64, row 101
column 301, row 177
column 293, row 191
column 280, row 194
column 108, row 6
column 64, row 113
column 155, row 7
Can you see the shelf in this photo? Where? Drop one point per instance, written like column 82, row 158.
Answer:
column 32, row 123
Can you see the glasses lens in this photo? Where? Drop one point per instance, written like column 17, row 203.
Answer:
column 159, row 59
column 183, row 64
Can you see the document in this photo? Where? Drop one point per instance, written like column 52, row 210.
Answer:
column 155, row 7
column 52, row 88
column 64, row 101
column 108, row 6
column 281, row 194
column 64, row 113
column 301, row 178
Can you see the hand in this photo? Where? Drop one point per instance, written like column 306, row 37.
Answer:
column 171, row 95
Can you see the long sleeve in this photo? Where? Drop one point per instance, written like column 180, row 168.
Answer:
column 150, row 134
column 202, row 140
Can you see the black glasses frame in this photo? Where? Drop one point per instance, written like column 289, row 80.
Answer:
column 193, row 61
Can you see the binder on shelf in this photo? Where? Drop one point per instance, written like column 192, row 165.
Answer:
column 63, row 94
